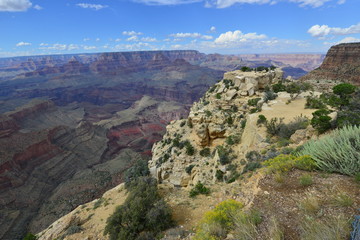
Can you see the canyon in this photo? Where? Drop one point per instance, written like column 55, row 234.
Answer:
column 70, row 125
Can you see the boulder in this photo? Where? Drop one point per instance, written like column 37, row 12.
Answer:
column 216, row 131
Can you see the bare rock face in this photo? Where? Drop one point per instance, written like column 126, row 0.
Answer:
column 249, row 82
column 342, row 63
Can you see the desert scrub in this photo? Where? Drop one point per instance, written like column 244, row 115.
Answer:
column 328, row 228
column 143, row 211
column 321, row 121
column 341, row 199
column 205, row 152
column 338, row 152
column 253, row 102
column 310, row 204
column 306, row 180
column 189, row 168
column 190, row 150
column 199, row 189
column 285, row 163
column 261, row 119
column 218, row 222
column 314, row 103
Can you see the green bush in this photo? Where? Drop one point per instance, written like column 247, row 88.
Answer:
column 278, row 87
column 261, row 119
column 224, row 155
column 218, row 96
column 246, row 69
column 139, row 169
column 305, row 180
column 190, row 150
column 230, row 120
column 286, row 130
column 243, row 123
column 321, row 121
column 253, row 102
column 314, row 103
column 199, row 189
column 189, row 168
column 344, row 89
column 30, row 236
column 337, row 152
column 189, row 123
column 205, row 152
column 269, row 95
column 219, row 175
column 274, row 126
column 143, row 211
column 231, row 140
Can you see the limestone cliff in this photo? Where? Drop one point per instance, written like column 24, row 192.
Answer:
column 342, row 63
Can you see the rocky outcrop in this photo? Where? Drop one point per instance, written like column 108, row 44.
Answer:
column 342, row 63
column 215, row 123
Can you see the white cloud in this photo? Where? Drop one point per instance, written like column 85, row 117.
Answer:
column 341, row 2
column 43, row 44
column 324, row 30
column 191, row 35
column 21, row 44
column 14, row 5
column 148, row 39
column 73, row 47
column 89, row 47
column 117, row 40
column 311, row 3
column 213, row 29
column 238, row 36
column 97, row 39
column 135, row 46
column 86, row 39
column 131, row 33
column 133, row 39
column 345, row 40
column 37, row 7
column 92, row 6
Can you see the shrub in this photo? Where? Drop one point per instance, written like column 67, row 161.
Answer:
column 218, row 96
column 321, row 121
column 199, row 189
column 284, row 163
column 190, row 150
column 269, row 95
column 143, row 211
column 246, row 69
column 273, row 126
column 253, row 102
column 253, row 156
column 219, row 175
column 182, row 123
column 337, row 152
column 278, row 87
column 205, row 152
column 229, row 120
column 305, row 180
column 251, row 166
column 243, row 123
column 30, row 236
column 245, row 224
column 231, row 140
column 224, row 155
column 218, row 222
column 286, row 130
column 208, row 113
column 189, row 168
column 261, row 119
column 314, row 103
column 344, row 89
column 295, row 88
column 139, row 169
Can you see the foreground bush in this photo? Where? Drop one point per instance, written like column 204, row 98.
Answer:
column 338, row 152
column 218, row 222
column 143, row 213
column 285, row 163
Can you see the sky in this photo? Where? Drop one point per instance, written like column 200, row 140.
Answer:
column 37, row 27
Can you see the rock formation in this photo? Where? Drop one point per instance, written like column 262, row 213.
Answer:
column 342, row 63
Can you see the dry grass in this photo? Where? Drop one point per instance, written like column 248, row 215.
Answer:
column 342, row 200
column 331, row 228
column 310, row 205
column 275, row 232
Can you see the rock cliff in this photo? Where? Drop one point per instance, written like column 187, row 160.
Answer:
column 342, row 63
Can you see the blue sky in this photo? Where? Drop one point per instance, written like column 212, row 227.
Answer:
column 32, row 27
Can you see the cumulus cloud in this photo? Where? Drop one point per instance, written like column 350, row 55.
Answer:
column 92, row 6
column 191, row 35
column 86, row 39
column 134, row 46
column 324, row 30
column 238, row 36
column 311, row 3
column 21, row 44
column 341, row 2
column 131, row 33
column 345, row 40
column 14, row 5
column 73, row 47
